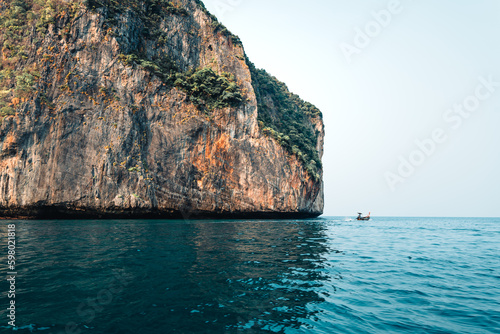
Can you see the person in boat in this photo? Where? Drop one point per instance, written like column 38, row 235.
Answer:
column 363, row 218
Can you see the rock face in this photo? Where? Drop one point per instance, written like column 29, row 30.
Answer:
column 99, row 129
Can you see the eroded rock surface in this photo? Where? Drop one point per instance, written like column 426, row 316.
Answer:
column 97, row 136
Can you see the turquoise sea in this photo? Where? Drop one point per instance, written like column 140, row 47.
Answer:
column 324, row 275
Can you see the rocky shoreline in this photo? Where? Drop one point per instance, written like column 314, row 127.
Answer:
column 63, row 212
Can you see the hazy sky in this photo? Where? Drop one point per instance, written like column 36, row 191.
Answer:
column 386, row 75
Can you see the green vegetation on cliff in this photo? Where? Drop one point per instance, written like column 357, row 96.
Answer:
column 24, row 23
column 219, row 27
column 205, row 88
column 287, row 118
column 151, row 13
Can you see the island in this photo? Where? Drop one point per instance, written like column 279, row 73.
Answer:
column 146, row 109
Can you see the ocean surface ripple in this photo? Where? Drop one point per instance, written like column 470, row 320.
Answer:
column 325, row 275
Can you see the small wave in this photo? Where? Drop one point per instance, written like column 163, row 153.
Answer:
column 31, row 328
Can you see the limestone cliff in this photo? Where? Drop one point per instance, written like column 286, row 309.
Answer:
column 146, row 109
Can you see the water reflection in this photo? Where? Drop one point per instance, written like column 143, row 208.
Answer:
column 200, row 277
column 262, row 275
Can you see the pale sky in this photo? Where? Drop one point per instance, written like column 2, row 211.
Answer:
column 386, row 74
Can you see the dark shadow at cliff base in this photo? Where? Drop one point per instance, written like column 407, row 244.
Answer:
column 68, row 212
